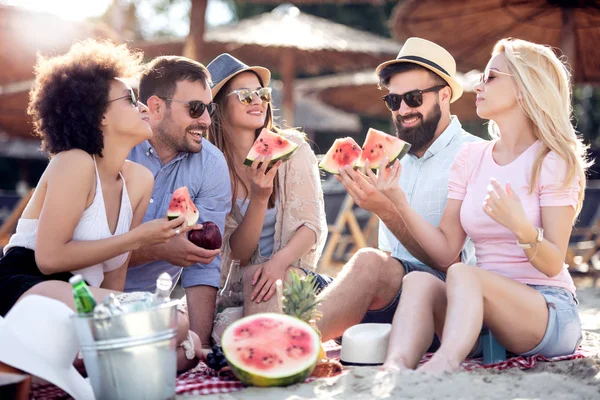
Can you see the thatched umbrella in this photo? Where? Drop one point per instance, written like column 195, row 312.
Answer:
column 23, row 34
column 468, row 29
column 291, row 42
column 357, row 92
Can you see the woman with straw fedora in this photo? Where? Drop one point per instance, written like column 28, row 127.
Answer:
column 277, row 219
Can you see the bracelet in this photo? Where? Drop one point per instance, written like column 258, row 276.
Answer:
column 535, row 253
column 538, row 239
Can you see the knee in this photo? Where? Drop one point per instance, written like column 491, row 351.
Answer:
column 367, row 263
column 459, row 272
column 248, row 273
column 420, row 280
column 183, row 326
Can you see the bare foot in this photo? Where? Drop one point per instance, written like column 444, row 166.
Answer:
column 394, row 366
column 439, row 364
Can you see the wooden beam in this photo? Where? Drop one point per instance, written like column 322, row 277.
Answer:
column 194, row 47
column 288, row 75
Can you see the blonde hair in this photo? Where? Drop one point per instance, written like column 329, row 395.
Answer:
column 543, row 81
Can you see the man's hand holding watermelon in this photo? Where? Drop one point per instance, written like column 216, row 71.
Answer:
column 370, row 191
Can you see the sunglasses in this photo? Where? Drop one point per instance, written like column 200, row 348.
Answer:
column 196, row 107
column 131, row 97
column 413, row 99
column 245, row 96
column 485, row 77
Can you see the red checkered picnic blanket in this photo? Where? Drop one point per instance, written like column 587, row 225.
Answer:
column 203, row 380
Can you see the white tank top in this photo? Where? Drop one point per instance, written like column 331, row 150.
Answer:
column 93, row 225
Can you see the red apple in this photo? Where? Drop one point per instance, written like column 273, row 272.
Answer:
column 208, row 237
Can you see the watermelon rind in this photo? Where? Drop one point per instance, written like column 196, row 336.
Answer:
column 328, row 164
column 299, row 373
column 276, row 156
column 400, row 151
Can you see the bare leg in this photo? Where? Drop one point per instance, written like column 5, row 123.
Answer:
column 514, row 312
column 63, row 292
column 369, row 281
column 420, row 313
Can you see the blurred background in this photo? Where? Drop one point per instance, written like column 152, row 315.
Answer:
column 322, row 55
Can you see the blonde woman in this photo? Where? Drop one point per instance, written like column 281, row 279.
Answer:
column 517, row 197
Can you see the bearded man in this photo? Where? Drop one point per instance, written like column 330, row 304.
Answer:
column 421, row 84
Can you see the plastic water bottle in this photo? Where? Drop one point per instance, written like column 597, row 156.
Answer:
column 164, row 283
column 84, row 300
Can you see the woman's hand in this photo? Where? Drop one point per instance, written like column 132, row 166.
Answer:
column 264, row 280
column 505, row 207
column 261, row 180
column 160, row 230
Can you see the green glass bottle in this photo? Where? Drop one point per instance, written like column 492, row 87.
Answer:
column 84, row 300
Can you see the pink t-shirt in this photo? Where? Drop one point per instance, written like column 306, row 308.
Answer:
column 495, row 245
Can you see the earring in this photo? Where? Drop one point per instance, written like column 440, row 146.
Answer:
column 519, row 96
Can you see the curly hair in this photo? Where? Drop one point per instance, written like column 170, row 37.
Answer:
column 71, row 91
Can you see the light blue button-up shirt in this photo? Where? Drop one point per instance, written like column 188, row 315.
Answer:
column 206, row 176
column 425, row 182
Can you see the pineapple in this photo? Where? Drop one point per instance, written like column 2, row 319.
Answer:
column 300, row 301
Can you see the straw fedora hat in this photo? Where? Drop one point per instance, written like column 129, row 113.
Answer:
column 365, row 344
column 431, row 56
column 225, row 66
column 37, row 336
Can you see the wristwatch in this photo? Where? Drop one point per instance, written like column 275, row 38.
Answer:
column 538, row 239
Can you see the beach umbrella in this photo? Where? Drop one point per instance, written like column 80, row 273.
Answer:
column 290, row 42
column 24, row 34
column 357, row 92
column 468, row 29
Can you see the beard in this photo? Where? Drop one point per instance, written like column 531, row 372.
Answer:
column 170, row 134
column 422, row 134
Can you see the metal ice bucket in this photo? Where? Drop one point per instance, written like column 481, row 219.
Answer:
column 131, row 355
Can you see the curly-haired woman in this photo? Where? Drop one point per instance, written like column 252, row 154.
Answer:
column 85, row 215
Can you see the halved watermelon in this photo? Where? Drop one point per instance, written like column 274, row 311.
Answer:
column 270, row 143
column 379, row 145
column 271, row 349
column 344, row 151
column 182, row 204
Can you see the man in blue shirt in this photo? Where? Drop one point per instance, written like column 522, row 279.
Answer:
column 421, row 83
column 177, row 93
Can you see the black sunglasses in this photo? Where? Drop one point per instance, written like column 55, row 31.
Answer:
column 196, row 107
column 245, row 96
column 130, row 96
column 413, row 99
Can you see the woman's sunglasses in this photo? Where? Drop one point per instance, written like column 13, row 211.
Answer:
column 131, row 97
column 196, row 107
column 245, row 96
column 413, row 99
column 486, row 77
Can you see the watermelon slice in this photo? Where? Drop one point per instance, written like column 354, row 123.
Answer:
column 270, row 143
column 271, row 349
column 344, row 151
column 182, row 204
column 379, row 145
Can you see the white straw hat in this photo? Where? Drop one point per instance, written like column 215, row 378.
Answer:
column 365, row 344
column 37, row 336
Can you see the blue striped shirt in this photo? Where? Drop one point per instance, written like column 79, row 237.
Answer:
column 207, row 178
column 425, row 182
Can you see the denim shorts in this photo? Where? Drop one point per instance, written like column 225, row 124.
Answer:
column 563, row 332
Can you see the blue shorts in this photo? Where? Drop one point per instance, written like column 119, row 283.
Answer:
column 563, row 332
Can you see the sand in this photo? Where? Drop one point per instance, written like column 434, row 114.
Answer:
column 575, row 379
